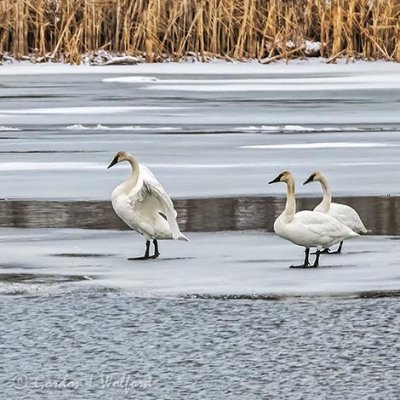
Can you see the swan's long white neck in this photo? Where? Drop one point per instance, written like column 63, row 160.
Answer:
column 290, row 209
column 133, row 179
column 327, row 196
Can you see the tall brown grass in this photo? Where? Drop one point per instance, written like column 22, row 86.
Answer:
column 231, row 29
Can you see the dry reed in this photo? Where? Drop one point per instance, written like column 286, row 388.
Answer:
column 230, row 29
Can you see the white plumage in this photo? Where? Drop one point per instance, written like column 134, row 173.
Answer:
column 308, row 228
column 344, row 214
column 143, row 204
column 341, row 212
column 312, row 229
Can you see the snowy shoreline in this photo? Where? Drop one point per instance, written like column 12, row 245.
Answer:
column 305, row 66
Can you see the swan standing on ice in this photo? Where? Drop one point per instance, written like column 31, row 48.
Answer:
column 142, row 203
column 344, row 214
column 307, row 228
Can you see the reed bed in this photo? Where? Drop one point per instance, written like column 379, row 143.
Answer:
column 172, row 29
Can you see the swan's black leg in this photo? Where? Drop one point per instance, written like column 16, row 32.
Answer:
column 306, row 263
column 328, row 251
column 306, row 258
column 147, row 253
column 339, row 250
column 316, row 262
column 156, row 252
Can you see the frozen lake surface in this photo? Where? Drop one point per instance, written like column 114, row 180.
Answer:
column 226, row 264
column 205, row 130
column 221, row 317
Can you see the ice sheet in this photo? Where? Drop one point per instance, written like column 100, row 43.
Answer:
column 83, row 110
column 8, row 128
column 100, row 127
column 199, row 144
column 212, row 264
column 332, row 145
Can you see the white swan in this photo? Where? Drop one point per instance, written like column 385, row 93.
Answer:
column 307, row 228
column 344, row 214
column 142, row 203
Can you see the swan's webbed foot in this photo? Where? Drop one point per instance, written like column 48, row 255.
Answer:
column 146, row 254
column 301, row 266
column 306, row 263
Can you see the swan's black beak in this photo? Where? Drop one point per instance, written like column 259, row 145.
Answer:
column 113, row 162
column 277, row 179
column 310, row 179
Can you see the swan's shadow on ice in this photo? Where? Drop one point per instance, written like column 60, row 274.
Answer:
column 337, row 266
column 161, row 259
column 263, row 261
column 311, row 267
column 82, row 255
column 291, row 265
column 346, row 253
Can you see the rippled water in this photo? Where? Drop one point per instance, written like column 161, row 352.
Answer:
column 196, row 349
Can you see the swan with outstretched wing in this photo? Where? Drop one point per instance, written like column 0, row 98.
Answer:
column 143, row 204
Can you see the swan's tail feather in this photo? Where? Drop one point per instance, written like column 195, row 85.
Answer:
column 183, row 237
column 173, row 225
column 352, row 234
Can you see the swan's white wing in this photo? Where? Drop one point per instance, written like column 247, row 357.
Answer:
column 348, row 216
column 323, row 225
column 152, row 189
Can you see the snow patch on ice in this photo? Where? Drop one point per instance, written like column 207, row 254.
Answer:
column 100, row 127
column 262, row 128
column 293, row 128
column 333, row 145
column 297, row 128
column 307, row 66
column 239, row 81
column 8, row 128
column 132, row 79
column 334, row 82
